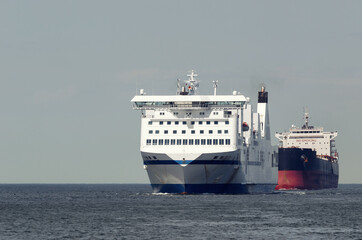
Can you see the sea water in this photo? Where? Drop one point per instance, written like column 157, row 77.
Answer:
column 124, row 211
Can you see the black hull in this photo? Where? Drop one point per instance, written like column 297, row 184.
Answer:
column 302, row 169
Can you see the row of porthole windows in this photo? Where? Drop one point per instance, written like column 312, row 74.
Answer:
column 308, row 143
column 188, row 113
column 185, row 122
column 188, row 142
column 184, row 131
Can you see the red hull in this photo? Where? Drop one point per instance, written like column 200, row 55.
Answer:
column 296, row 179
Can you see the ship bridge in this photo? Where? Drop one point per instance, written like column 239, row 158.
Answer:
column 144, row 102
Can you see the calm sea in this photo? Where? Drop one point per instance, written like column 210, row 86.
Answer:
column 133, row 212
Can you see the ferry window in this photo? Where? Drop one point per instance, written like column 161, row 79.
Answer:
column 215, row 157
column 210, row 131
column 200, row 122
column 184, row 141
column 150, row 123
column 154, row 157
column 162, row 113
column 184, row 122
column 176, row 123
column 154, row 142
column 161, row 122
column 192, row 122
column 192, row 131
column 221, row 141
column 175, row 113
column 178, row 141
column 167, row 142
column 214, row 141
column 202, row 113
column 183, row 131
column 191, row 142
column 157, row 131
column 227, row 141
column 150, row 131
column 201, row 131
column 165, row 132
column 174, row 131
column 216, row 122
column 172, row 141
column 203, row 141
column 226, row 131
column 168, row 122
column 209, row 141
column 226, row 122
column 160, row 142
column 148, row 142
column 208, row 122
column 219, row 131
column 197, row 141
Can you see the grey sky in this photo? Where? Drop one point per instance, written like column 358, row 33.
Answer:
column 68, row 70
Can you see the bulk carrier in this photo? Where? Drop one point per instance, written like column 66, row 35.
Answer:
column 194, row 143
column 308, row 158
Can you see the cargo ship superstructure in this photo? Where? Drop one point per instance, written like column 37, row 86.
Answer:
column 308, row 158
column 194, row 143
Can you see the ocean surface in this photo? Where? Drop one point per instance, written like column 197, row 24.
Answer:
column 124, row 211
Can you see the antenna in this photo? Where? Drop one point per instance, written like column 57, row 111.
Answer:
column 192, row 83
column 306, row 116
column 215, row 83
column 178, row 86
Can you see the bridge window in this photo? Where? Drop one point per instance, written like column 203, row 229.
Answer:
column 167, row 142
column 209, row 141
column 178, row 141
column 150, row 131
column 203, row 141
column 154, row 142
column 148, row 141
column 227, row 141
column 165, row 132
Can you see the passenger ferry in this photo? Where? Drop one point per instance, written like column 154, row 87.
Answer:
column 194, row 143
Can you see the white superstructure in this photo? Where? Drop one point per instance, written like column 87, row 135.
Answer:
column 309, row 137
column 206, row 143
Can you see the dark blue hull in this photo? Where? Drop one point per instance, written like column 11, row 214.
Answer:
column 213, row 188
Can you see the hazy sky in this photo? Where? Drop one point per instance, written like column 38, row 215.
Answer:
column 68, row 70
